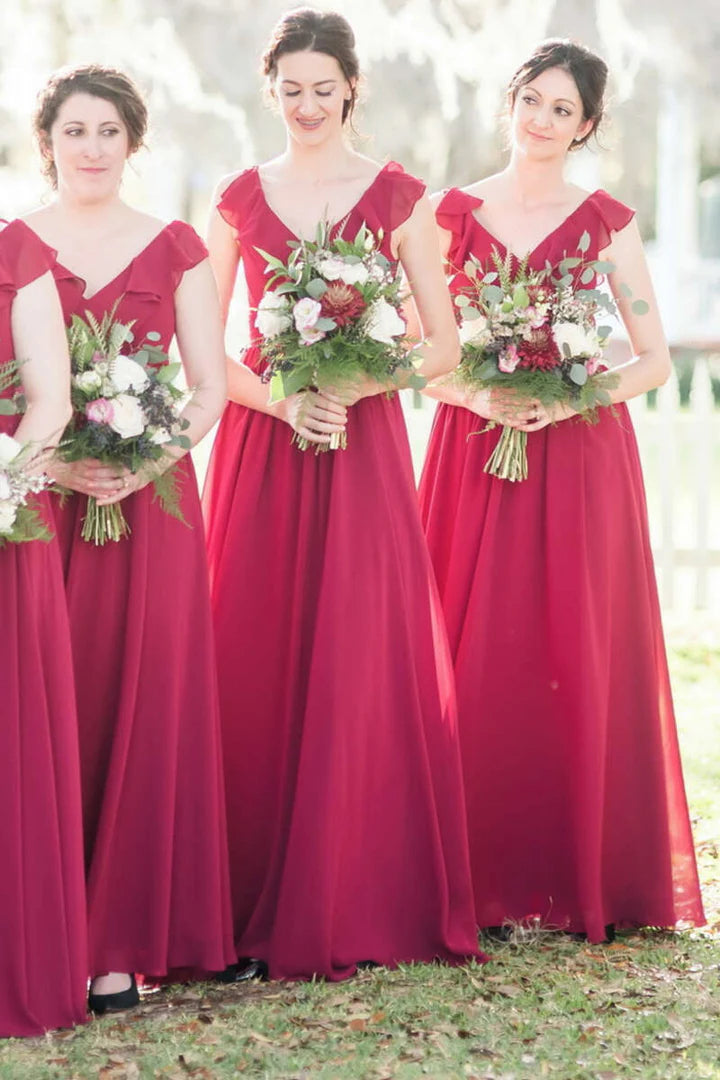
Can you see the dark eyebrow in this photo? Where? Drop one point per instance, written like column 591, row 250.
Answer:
column 323, row 82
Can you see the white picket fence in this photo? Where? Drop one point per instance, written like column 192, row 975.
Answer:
column 680, row 451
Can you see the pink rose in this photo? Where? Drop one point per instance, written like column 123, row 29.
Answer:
column 97, row 358
column 306, row 313
column 509, row 359
column 100, row 411
column 592, row 365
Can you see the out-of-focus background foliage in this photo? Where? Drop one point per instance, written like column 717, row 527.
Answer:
column 435, row 72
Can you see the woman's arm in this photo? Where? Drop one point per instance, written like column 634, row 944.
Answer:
column 416, row 243
column 651, row 364
column 40, row 344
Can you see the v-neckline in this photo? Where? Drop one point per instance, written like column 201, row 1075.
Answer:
column 124, row 270
column 548, row 236
column 334, row 224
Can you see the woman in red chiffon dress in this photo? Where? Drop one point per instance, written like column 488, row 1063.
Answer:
column 43, row 941
column 576, row 807
column 153, row 805
column 345, row 812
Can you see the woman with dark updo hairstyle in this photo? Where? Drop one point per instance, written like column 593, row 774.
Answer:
column 153, row 809
column 576, row 808
column 345, row 813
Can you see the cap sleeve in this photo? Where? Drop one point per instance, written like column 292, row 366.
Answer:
column 453, row 208
column 23, row 256
column 399, row 192
column 189, row 248
column 613, row 216
column 240, row 198
column 161, row 265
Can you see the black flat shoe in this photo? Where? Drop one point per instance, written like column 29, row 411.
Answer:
column 497, row 933
column 247, row 968
column 124, row 999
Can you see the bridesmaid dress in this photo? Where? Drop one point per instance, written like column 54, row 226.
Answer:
column 345, row 807
column 43, row 946
column 576, row 806
column 153, row 803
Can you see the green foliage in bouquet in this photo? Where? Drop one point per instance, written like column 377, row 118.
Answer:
column 331, row 315
column 537, row 335
column 125, row 412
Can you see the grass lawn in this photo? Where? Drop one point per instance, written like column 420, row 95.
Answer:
column 646, row 1006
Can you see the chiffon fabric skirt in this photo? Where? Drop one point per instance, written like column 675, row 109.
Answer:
column 576, row 806
column 346, row 820
column 42, row 894
column 153, row 806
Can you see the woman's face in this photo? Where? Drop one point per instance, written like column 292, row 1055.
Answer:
column 547, row 116
column 89, row 144
column 311, row 91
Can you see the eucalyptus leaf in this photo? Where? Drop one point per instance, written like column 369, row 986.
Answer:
column 152, row 335
column 625, row 290
column 584, row 242
column 640, row 307
column 461, row 300
column 578, row 374
column 316, row 288
column 325, row 325
column 603, row 266
column 492, row 294
column 587, row 275
column 7, row 407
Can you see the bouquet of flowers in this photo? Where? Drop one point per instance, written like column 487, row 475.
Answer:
column 332, row 314
column 126, row 412
column 19, row 521
column 535, row 335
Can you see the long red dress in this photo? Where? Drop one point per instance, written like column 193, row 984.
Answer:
column 576, row 807
column 43, row 948
column 153, row 806
column 346, row 820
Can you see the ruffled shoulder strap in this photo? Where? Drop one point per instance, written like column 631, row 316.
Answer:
column 453, row 208
column 241, row 197
column 612, row 214
column 395, row 193
column 24, row 257
column 175, row 249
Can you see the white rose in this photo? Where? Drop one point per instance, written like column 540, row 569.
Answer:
column 273, row 316
column 354, row 274
column 88, row 381
column 330, row 267
column 127, row 374
column 9, row 449
column 579, row 341
column 384, row 323
column 5, row 492
column 306, row 313
column 8, row 512
column 128, row 418
column 475, row 331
